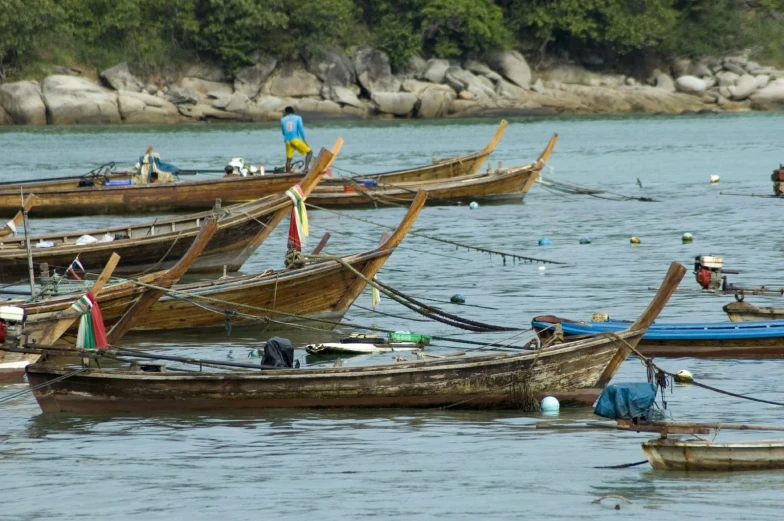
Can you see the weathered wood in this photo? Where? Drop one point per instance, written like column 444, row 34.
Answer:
column 746, row 312
column 18, row 219
column 150, row 296
column 669, row 285
column 321, row 244
column 503, row 185
column 159, row 244
column 685, row 455
column 63, row 197
column 567, row 371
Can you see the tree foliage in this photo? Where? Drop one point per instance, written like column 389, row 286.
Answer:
column 151, row 33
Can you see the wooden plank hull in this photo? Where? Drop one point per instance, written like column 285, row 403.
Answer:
column 61, row 198
column 507, row 186
column 673, row 454
column 569, row 371
column 159, row 244
column 745, row 312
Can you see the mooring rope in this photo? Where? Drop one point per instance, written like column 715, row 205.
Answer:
column 650, row 364
column 502, row 254
column 39, row 386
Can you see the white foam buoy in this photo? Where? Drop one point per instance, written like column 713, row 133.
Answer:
column 687, row 237
column 550, row 404
column 634, row 240
column 684, row 376
column 714, row 179
column 474, row 205
column 542, row 268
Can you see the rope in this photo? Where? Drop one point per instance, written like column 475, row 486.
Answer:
column 650, row 364
column 35, row 388
column 502, row 254
column 553, row 186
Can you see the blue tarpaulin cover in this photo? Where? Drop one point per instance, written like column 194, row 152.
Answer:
column 626, row 401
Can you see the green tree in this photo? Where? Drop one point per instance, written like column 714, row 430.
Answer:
column 24, row 26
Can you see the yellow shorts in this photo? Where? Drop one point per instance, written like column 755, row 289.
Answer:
column 298, row 145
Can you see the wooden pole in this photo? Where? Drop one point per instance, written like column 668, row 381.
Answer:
column 29, row 251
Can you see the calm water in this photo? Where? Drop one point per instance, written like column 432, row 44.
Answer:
column 437, row 464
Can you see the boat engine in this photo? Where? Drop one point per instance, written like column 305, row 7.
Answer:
column 12, row 321
column 710, row 273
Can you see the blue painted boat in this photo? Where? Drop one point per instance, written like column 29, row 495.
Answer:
column 676, row 339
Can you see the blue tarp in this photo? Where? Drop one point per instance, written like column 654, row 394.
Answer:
column 160, row 166
column 626, row 401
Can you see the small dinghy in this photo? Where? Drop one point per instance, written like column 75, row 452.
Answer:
column 367, row 344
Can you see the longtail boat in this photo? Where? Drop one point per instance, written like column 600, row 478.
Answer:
column 160, row 243
column 700, row 454
column 46, row 328
column 574, row 372
column 743, row 311
column 317, row 294
column 503, row 185
column 17, row 220
column 87, row 195
column 679, row 339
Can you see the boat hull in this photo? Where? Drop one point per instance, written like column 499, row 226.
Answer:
column 706, row 340
column 745, row 312
column 673, row 454
column 569, row 372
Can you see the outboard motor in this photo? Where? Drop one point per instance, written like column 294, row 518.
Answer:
column 778, row 181
column 12, row 321
column 709, row 272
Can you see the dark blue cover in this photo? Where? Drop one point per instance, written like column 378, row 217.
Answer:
column 626, row 401
column 117, row 182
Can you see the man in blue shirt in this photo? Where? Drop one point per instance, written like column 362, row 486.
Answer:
column 294, row 137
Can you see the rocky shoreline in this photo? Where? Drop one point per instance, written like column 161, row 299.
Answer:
column 332, row 84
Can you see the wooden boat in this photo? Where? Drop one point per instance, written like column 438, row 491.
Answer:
column 699, row 454
column 708, row 339
column 15, row 222
column 61, row 197
column 742, row 311
column 160, row 243
column 46, row 328
column 504, row 185
column 574, row 372
column 316, row 295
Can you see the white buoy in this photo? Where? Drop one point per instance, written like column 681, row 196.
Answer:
column 550, row 404
column 714, row 179
column 684, row 376
column 687, row 237
column 542, row 268
column 634, row 240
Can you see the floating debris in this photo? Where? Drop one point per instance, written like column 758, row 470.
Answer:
column 544, row 241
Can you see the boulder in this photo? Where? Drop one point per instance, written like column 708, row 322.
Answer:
column 434, row 102
column 726, row 78
column 681, row 66
column 202, row 111
column 206, row 71
column 724, row 92
column 305, row 106
column 373, row 71
column 140, row 107
column 481, row 69
column 70, row 100
column 700, row 70
column 762, row 80
column 292, row 80
column 461, row 106
column 249, row 80
column 183, row 95
column 5, row 118
column 220, row 100
column 512, row 66
column 23, row 103
column 341, row 95
column 508, row 90
column 238, row 102
column 743, row 88
column 330, row 65
column 398, row 103
column 205, row 87
column 434, row 71
column 119, row 77
column 664, row 82
column 462, row 80
column 415, row 66
column 271, row 103
column 732, row 67
column 691, row 85
column 151, row 88
column 771, row 96
column 571, row 74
